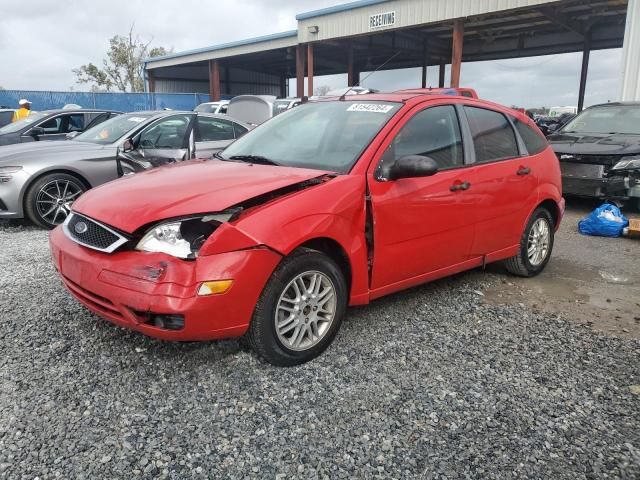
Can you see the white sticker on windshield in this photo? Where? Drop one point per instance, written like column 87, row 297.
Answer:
column 136, row 119
column 370, row 107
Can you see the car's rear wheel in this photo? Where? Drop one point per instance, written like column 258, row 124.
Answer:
column 300, row 309
column 48, row 201
column 536, row 245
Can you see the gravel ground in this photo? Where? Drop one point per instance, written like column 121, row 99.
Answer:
column 429, row 383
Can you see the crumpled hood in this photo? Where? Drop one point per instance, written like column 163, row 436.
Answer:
column 20, row 153
column 583, row 144
column 196, row 186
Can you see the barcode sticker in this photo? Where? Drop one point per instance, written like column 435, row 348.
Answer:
column 369, row 107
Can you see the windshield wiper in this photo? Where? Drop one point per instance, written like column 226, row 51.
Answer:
column 254, row 159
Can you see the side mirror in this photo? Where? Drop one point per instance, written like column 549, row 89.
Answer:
column 412, row 166
column 35, row 132
column 128, row 146
column 71, row 135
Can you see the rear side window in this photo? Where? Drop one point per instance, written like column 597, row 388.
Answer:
column 213, row 130
column 533, row 140
column 493, row 137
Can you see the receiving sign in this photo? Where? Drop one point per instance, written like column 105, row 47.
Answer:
column 382, row 20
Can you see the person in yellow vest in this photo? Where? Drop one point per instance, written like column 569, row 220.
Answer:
column 23, row 111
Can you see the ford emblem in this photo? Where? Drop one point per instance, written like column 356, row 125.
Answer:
column 81, row 227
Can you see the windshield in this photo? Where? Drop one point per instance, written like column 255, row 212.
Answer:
column 25, row 122
column 324, row 135
column 207, row 107
column 113, row 129
column 623, row 119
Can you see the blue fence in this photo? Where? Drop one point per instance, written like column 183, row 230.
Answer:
column 124, row 102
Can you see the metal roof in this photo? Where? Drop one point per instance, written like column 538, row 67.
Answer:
column 338, row 8
column 224, row 46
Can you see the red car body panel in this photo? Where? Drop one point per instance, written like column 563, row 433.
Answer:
column 234, row 183
column 456, row 230
column 116, row 286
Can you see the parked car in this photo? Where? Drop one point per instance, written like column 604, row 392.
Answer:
column 283, row 104
column 52, row 125
column 549, row 125
column 336, row 203
column 599, row 152
column 6, row 116
column 252, row 109
column 40, row 180
column 219, row 107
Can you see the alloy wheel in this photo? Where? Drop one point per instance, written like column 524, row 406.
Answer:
column 305, row 310
column 538, row 242
column 54, row 199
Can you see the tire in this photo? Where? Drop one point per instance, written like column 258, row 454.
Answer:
column 53, row 193
column 276, row 345
column 522, row 264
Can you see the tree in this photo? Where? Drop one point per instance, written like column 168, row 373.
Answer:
column 321, row 90
column 122, row 69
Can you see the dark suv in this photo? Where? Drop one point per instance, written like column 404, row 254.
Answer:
column 52, row 125
column 599, row 152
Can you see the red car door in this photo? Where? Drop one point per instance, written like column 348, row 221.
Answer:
column 422, row 227
column 503, row 179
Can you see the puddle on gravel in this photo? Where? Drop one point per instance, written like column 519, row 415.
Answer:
column 608, row 301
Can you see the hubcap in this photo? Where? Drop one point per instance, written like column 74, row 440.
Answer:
column 305, row 311
column 54, row 200
column 538, row 243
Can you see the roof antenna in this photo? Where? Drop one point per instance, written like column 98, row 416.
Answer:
column 371, row 73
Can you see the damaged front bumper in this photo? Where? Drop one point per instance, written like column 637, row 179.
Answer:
column 589, row 180
column 157, row 294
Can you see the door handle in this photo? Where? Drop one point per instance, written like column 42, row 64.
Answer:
column 523, row 171
column 460, row 186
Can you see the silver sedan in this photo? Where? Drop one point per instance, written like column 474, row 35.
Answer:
column 40, row 180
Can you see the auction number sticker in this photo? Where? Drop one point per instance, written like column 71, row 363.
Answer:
column 370, row 107
column 136, row 119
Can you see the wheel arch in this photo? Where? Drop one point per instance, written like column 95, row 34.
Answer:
column 39, row 175
column 334, row 250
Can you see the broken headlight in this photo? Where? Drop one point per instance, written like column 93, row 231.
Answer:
column 627, row 163
column 182, row 238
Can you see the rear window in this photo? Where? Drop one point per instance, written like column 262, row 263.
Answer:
column 493, row 137
column 533, row 140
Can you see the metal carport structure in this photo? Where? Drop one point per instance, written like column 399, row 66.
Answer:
column 360, row 36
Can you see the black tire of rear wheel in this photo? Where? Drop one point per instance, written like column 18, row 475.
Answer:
column 262, row 336
column 30, row 207
column 519, row 264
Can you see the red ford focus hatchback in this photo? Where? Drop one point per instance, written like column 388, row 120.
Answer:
column 330, row 204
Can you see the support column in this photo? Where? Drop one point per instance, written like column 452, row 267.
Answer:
column 586, row 51
column 441, row 73
column 214, row 80
column 283, row 85
column 299, row 70
column 425, row 61
column 456, row 52
column 310, row 69
column 631, row 54
column 350, row 69
column 151, row 81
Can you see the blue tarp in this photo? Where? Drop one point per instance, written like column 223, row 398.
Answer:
column 124, row 102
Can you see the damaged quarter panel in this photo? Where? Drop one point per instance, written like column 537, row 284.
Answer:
column 332, row 210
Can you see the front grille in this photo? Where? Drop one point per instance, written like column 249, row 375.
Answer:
column 92, row 234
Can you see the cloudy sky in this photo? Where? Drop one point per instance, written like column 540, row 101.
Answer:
column 41, row 43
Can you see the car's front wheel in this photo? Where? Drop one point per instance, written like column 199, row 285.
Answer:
column 536, row 245
column 300, row 309
column 48, row 201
